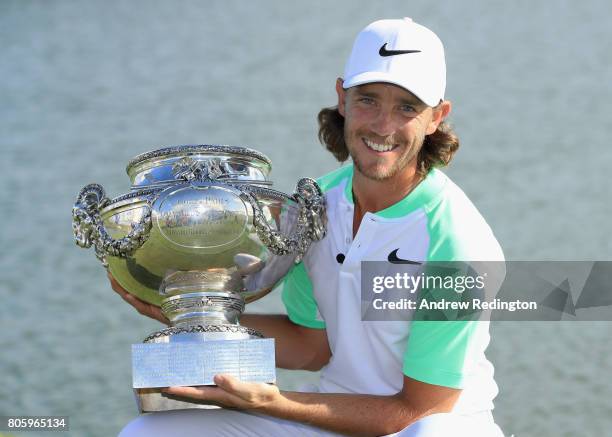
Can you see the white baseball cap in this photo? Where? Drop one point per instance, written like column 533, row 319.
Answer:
column 400, row 52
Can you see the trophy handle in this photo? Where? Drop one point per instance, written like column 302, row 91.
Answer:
column 89, row 228
column 310, row 222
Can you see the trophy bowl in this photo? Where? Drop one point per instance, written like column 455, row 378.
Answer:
column 200, row 233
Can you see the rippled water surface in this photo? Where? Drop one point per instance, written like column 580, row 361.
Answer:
column 85, row 86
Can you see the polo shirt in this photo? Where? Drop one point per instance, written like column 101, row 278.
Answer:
column 434, row 222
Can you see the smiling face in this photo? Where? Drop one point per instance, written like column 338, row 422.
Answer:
column 384, row 127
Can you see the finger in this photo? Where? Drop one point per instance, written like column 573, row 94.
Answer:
column 199, row 392
column 156, row 313
column 144, row 308
column 205, row 393
column 115, row 285
column 152, row 311
column 135, row 302
column 227, row 382
column 127, row 296
column 234, row 385
column 248, row 264
column 111, row 278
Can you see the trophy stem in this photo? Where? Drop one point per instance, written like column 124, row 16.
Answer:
column 203, row 308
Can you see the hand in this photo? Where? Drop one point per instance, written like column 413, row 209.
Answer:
column 232, row 393
column 144, row 308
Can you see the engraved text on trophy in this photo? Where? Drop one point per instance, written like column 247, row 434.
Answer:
column 203, row 217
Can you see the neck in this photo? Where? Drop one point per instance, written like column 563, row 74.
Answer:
column 373, row 196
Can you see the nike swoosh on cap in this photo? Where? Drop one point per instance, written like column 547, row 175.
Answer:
column 384, row 52
column 393, row 259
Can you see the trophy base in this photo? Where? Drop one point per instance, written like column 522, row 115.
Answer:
column 188, row 360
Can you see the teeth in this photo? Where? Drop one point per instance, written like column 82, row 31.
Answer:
column 378, row 147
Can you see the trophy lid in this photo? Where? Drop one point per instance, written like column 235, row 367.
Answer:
column 233, row 163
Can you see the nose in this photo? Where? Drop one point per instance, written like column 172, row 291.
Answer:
column 382, row 124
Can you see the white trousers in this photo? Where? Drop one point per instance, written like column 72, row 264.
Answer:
column 231, row 423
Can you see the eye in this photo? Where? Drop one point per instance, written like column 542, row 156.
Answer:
column 408, row 109
column 366, row 100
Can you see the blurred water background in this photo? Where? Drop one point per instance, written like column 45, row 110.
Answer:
column 86, row 85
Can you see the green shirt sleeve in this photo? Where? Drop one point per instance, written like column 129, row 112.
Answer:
column 437, row 351
column 298, row 298
column 443, row 343
column 443, row 349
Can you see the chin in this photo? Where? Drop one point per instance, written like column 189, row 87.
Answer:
column 377, row 174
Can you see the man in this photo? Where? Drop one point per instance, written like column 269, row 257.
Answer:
column 392, row 204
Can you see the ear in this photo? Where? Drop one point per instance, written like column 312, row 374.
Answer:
column 341, row 96
column 440, row 112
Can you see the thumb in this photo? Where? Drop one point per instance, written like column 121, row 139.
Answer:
column 231, row 384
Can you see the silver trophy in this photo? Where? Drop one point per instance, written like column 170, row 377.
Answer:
column 200, row 234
